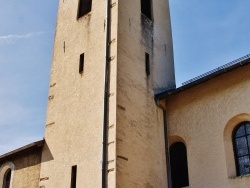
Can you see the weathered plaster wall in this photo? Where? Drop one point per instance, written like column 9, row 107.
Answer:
column 26, row 170
column 74, row 122
column 140, row 138
column 204, row 118
column 73, row 135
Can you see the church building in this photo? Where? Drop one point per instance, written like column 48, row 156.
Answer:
column 115, row 118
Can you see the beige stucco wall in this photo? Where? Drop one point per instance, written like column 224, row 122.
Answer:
column 204, row 118
column 73, row 135
column 140, row 138
column 74, row 122
column 26, row 169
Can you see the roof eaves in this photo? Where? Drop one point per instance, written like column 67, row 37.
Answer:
column 203, row 78
column 21, row 150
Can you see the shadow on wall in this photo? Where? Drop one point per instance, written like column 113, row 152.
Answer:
column 46, row 153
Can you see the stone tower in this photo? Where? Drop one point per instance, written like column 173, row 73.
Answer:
column 103, row 128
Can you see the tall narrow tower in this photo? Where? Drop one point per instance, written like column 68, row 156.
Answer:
column 103, row 128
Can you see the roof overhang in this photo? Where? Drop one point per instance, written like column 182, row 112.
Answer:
column 19, row 151
column 205, row 77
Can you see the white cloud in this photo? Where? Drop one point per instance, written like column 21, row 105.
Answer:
column 10, row 39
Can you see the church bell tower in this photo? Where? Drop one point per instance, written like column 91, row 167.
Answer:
column 103, row 128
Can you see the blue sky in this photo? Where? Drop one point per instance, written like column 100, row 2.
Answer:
column 206, row 34
column 26, row 40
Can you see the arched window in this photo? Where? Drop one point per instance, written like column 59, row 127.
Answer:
column 178, row 162
column 6, row 175
column 7, row 178
column 241, row 140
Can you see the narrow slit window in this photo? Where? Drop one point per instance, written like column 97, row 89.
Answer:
column 84, row 7
column 81, row 63
column 146, row 8
column 73, row 176
column 147, row 64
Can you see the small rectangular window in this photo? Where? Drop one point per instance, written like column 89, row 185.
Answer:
column 146, row 8
column 147, row 64
column 73, row 177
column 84, row 7
column 81, row 63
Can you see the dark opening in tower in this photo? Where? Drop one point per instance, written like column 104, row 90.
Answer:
column 84, row 7
column 147, row 64
column 81, row 63
column 146, row 8
column 73, row 176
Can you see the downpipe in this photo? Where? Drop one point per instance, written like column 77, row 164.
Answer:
column 168, row 167
column 106, row 99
